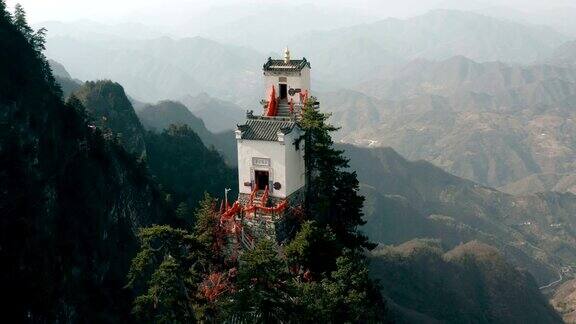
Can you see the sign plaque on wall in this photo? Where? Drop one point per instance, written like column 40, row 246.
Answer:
column 260, row 161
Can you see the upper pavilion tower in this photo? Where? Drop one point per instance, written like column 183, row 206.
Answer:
column 288, row 77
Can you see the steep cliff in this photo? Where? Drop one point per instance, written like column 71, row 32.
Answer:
column 112, row 112
column 70, row 203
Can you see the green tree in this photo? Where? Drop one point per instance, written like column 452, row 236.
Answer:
column 206, row 222
column 183, row 211
column 357, row 298
column 264, row 290
column 165, row 274
column 332, row 196
column 21, row 23
column 184, row 166
column 347, row 295
column 37, row 39
column 313, row 248
column 75, row 103
column 4, row 14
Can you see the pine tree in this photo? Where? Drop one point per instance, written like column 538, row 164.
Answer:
column 74, row 103
column 4, row 14
column 356, row 297
column 165, row 274
column 347, row 295
column 332, row 192
column 313, row 249
column 38, row 42
column 21, row 22
column 183, row 211
column 206, row 223
column 264, row 291
column 38, row 39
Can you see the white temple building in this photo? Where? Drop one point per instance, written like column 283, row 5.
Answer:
column 271, row 165
column 269, row 151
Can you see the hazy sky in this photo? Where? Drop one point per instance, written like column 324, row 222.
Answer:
column 114, row 11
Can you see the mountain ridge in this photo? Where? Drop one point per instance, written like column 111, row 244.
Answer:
column 489, row 122
column 408, row 200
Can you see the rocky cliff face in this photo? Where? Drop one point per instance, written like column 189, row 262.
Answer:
column 160, row 116
column 112, row 112
column 64, row 79
column 71, row 200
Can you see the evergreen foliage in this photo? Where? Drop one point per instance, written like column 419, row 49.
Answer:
column 332, row 194
column 346, row 295
column 37, row 40
column 313, row 248
column 3, row 12
column 71, row 201
column 355, row 296
column 264, row 291
column 206, row 222
column 319, row 276
column 168, row 269
column 113, row 114
column 20, row 22
column 185, row 167
column 183, row 211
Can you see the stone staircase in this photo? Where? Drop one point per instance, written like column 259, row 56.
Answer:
column 258, row 198
column 283, row 109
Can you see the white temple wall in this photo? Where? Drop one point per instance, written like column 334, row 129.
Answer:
column 294, row 80
column 295, row 166
column 284, row 160
column 274, row 151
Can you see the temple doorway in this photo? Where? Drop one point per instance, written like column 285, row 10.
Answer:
column 262, row 179
column 283, row 91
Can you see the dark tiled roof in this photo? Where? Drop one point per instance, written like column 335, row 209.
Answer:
column 265, row 129
column 280, row 65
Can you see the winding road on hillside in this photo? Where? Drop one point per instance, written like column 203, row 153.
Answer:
column 553, row 282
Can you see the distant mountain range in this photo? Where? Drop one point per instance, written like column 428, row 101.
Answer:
column 158, row 117
column 154, row 68
column 162, row 68
column 350, row 54
column 218, row 115
column 492, row 122
column 268, row 26
column 564, row 55
column 408, row 200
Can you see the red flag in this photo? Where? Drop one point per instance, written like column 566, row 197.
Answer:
column 271, row 111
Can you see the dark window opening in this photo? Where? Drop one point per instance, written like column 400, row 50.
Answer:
column 262, row 179
column 283, row 91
